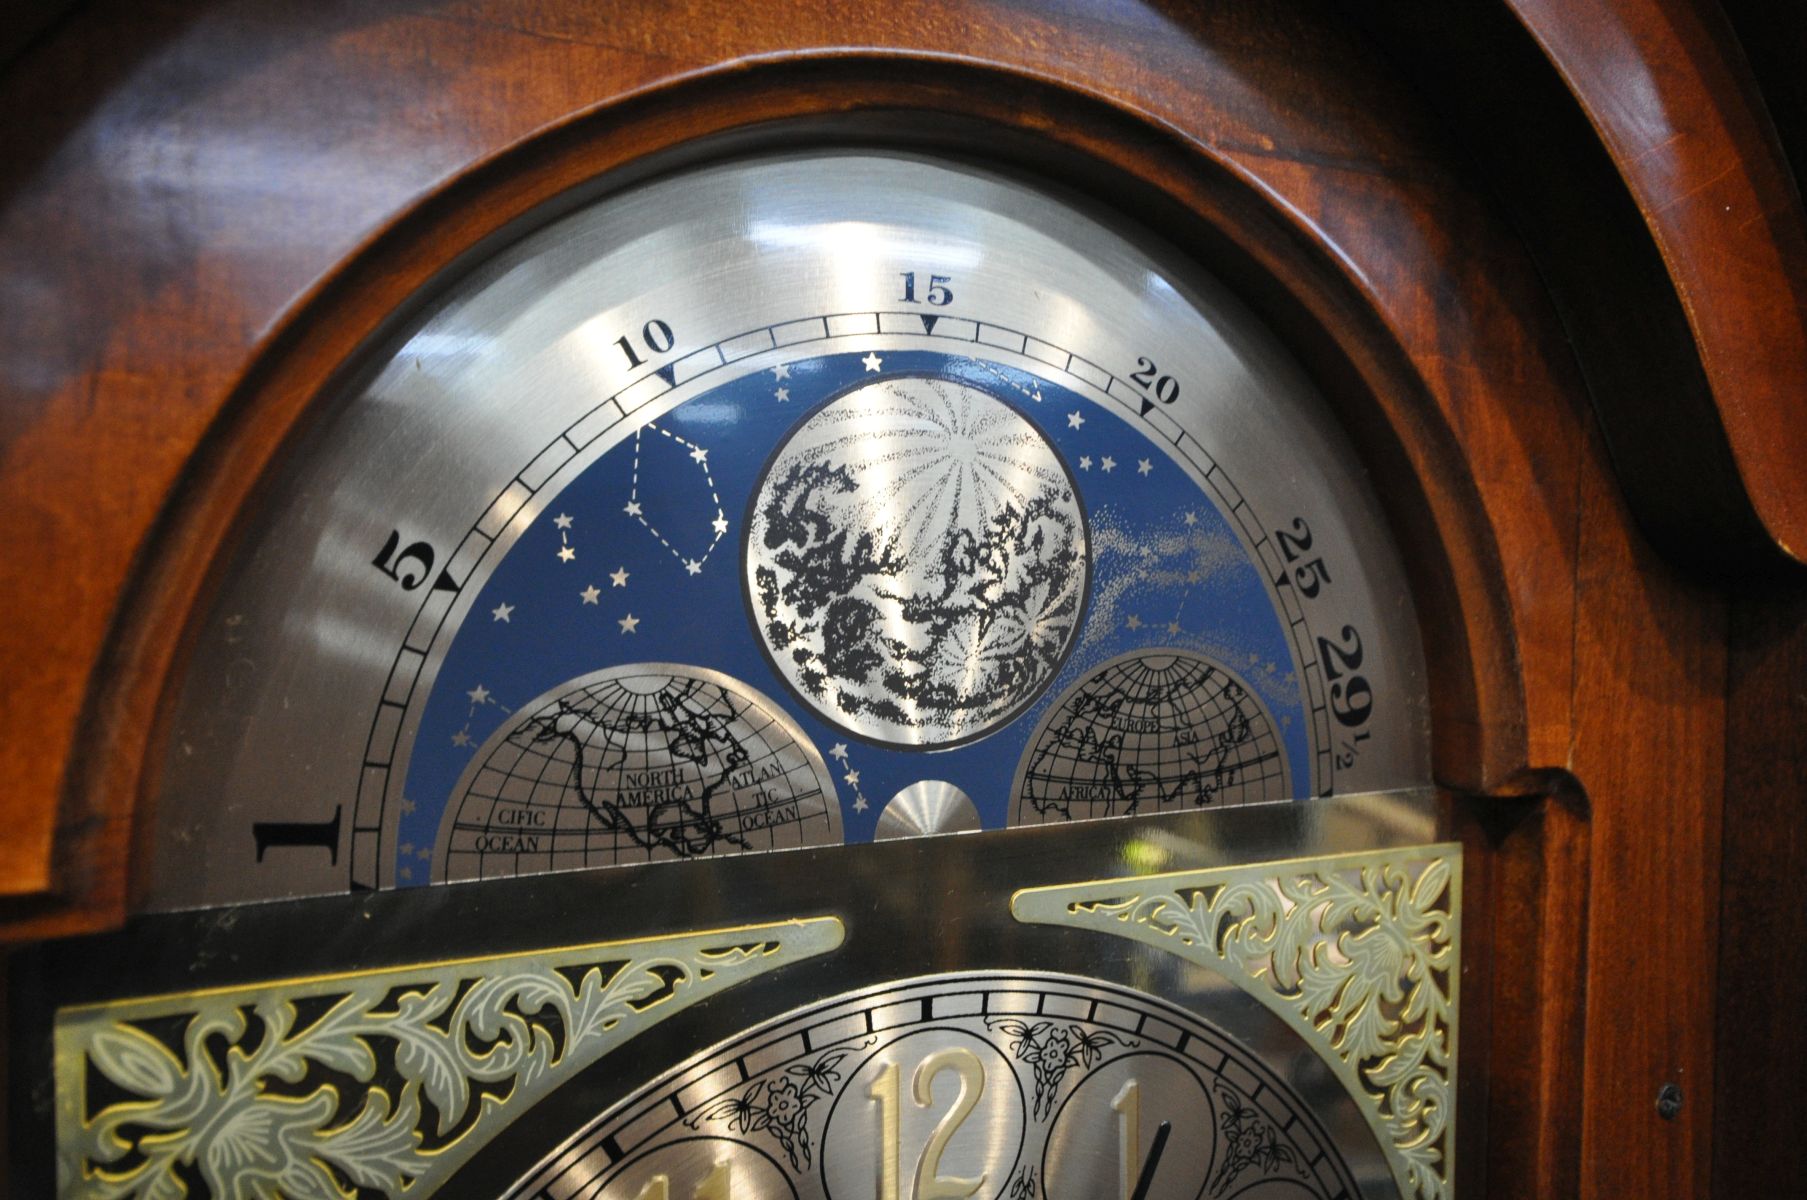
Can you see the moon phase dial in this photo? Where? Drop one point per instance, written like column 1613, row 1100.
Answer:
column 922, row 481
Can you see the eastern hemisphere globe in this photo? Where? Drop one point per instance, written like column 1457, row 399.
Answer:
column 1155, row 730
column 917, row 561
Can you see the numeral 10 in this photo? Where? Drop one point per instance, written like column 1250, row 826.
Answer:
column 657, row 337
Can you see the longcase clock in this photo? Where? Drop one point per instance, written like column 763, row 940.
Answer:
column 927, row 600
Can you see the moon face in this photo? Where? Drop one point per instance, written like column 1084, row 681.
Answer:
column 916, row 561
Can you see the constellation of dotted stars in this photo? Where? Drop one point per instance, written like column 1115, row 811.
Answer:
column 634, row 509
column 1034, row 392
column 480, row 697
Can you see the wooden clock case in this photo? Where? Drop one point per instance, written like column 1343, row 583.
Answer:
column 1546, row 263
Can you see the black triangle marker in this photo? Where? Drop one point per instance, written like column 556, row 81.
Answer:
column 1146, row 406
column 669, row 373
column 928, row 322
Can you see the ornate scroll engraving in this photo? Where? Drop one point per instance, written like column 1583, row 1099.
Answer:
column 385, row 1081
column 1360, row 953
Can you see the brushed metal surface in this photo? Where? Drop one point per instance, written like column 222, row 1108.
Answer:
column 990, row 1086
column 911, row 908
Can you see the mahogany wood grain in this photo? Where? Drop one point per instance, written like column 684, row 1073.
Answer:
column 1666, row 88
column 1649, row 748
column 1762, row 967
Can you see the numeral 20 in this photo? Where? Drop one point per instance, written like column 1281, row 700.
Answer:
column 1148, row 377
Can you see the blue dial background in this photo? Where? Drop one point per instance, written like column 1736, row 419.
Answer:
column 1167, row 571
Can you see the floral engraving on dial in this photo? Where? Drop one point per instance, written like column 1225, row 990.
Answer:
column 917, row 561
column 923, row 1087
column 1359, row 953
column 1052, row 1050
column 1251, row 1141
column 780, row 1106
column 384, row 1081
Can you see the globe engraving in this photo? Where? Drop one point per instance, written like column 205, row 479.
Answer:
column 635, row 763
column 916, row 561
column 1150, row 732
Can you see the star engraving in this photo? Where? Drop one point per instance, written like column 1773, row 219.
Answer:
column 1191, row 518
column 566, row 554
column 692, row 567
column 478, row 694
column 839, row 751
column 628, row 623
column 781, row 371
column 461, row 738
column 1085, row 462
column 1143, row 466
column 618, row 577
column 1134, row 621
column 592, row 594
column 1074, row 420
column 502, row 612
column 665, row 535
column 1109, row 464
column 563, row 521
column 783, row 395
column 872, row 361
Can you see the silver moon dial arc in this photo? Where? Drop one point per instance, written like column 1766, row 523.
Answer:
column 935, row 476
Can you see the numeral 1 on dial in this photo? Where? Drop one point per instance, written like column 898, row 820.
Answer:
column 1127, row 1104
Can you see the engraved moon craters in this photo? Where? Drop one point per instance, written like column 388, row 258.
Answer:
column 917, row 562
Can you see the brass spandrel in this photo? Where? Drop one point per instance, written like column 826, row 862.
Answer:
column 1359, row 953
column 386, row 1079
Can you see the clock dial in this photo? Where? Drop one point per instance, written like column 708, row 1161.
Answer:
column 993, row 1087
column 789, row 501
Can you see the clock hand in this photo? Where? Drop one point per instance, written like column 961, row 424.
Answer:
column 1146, row 1179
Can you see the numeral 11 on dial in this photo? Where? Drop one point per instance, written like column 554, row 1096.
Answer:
column 716, row 1186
